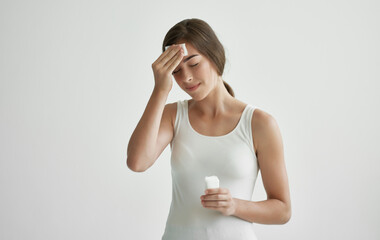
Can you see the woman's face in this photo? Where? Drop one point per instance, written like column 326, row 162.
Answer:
column 195, row 70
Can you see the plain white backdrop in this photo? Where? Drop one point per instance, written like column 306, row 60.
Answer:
column 75, row 78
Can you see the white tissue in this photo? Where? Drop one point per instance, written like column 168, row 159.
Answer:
column 212, row 182
column 183, row 47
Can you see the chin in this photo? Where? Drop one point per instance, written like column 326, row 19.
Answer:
column 197, row 97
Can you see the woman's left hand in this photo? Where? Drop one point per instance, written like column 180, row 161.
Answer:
column 219, row 199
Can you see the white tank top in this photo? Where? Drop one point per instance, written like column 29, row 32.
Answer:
column 230, row 157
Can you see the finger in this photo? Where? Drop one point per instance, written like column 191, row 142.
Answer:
column 223, row 197
column 167, row 51
column 222, row 208
column 175, row 61
column 215, row 204
column 217, row 190
column 169, row 55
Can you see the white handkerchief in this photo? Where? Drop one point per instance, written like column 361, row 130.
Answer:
column 183, row 47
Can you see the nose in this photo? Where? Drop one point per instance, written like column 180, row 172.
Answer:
column 187, row 76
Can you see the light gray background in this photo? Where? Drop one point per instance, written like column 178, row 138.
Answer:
column 76, row 77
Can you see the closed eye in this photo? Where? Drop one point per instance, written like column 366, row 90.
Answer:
column 180, row 69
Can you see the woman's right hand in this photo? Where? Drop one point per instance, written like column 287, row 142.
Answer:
column 164, row 66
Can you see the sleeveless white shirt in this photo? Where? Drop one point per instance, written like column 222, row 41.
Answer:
column 230, row 157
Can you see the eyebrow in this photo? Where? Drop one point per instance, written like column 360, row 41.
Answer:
column 187, row 59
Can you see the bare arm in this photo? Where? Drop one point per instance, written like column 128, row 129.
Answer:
column 270, row 154
column 154, row 131
column 142, row 146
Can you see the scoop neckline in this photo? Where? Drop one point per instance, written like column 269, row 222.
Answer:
column 225, row 135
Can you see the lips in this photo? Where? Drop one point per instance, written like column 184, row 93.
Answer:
column 192, row 86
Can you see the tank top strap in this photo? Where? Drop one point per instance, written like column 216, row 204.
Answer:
column 246, row 125
column 180, row 116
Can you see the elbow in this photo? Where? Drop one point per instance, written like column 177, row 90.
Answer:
column 131, row 165
column 286, row 218
column 287, row 215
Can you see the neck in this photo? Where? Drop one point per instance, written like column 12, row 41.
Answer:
column 216, row 103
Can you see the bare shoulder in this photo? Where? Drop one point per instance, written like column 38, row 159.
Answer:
column 265, row 129
column 260, row 118
column 262, row 124
column 171, row 109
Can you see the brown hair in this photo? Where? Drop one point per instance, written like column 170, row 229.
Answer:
column 203, row 38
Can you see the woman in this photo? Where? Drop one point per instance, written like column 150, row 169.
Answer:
column 213, row 133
